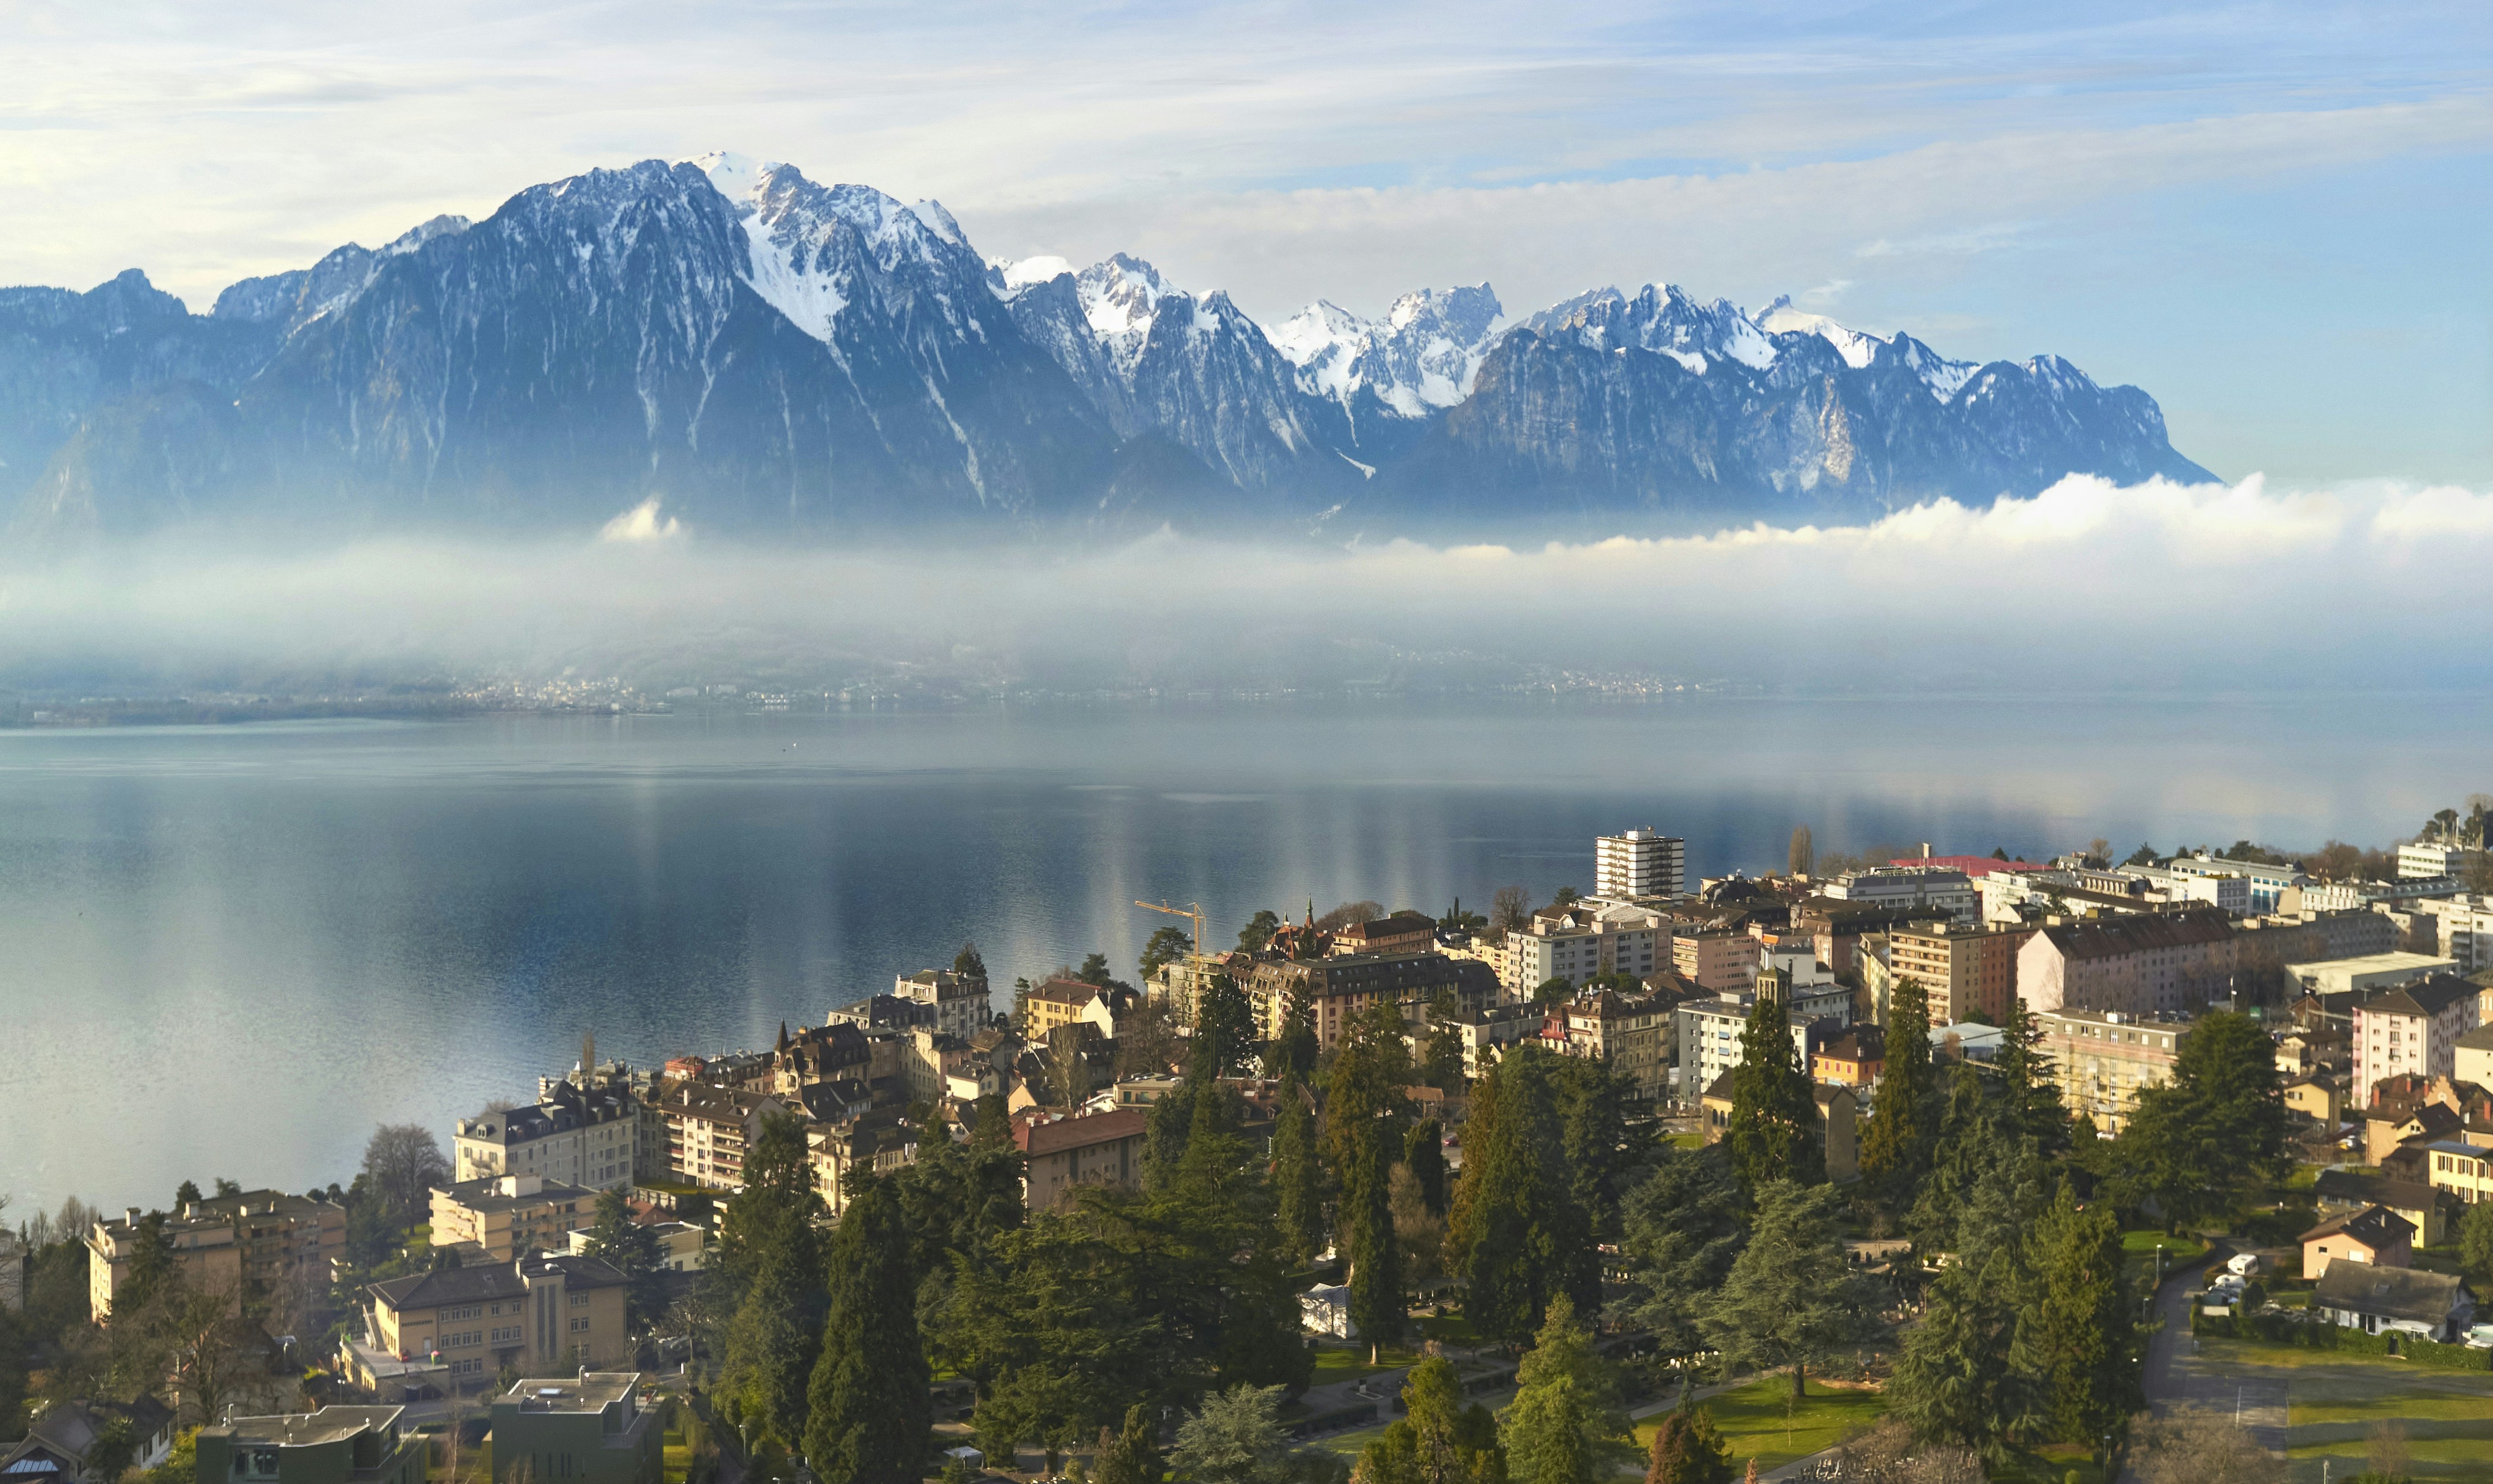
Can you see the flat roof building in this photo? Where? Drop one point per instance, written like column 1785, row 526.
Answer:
column 1640, row 863
column 589, row 1427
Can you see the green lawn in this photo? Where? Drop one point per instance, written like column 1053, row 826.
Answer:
column 1750, row 1418
column 2144, row 1244
column 2435, row 1457
column 678, row 1458
column 1451, row 1330
column 1348, row 1363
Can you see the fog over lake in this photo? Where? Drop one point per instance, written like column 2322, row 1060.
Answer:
column 228, row 951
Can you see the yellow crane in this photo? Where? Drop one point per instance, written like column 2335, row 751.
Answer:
column 1193, row 910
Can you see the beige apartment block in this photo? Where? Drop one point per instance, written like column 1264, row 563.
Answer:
column 511, row 1215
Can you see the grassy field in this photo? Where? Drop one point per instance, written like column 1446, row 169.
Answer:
column 2179, row 1249
column 2443, row 1458
column 678, row 1458
column 1751, row 1421
column 1348, row 1363
column 1451, row 1329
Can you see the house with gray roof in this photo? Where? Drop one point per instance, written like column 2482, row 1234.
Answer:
column 2358, row 1296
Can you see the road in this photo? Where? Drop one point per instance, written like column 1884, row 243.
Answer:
column 2177, row 1374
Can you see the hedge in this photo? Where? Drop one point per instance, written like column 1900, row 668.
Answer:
column 2279, row 1329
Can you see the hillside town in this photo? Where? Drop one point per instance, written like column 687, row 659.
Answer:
column 1914, row 1166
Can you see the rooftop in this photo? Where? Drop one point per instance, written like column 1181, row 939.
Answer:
column 1081, row 1133
column 2429, row 998
column 589, row 1391
column 2373, row 964
column 297, row 1430
column 2391, row 1292
column 505, row 1193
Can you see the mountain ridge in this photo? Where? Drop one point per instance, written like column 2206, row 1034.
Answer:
column 775, row 357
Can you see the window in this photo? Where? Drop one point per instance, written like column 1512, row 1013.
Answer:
column 580, row 1325
column 579, row 1301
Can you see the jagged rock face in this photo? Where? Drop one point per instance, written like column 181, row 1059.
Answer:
column 771, row 356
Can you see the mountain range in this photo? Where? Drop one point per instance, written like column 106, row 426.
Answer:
column 774, row 358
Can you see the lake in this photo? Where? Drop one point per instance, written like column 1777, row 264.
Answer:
column 229, row 952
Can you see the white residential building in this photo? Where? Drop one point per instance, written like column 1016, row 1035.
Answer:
column 1641, row 862
column 580, row 1137
column 2413, row 1029
column 2420, row 861
column 1908, row 888
column 960, row 1002
column 2267, row 884
column 1581, row 939
column 2227, row 893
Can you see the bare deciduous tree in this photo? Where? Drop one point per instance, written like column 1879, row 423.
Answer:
column 212, row 1355
column 1511, row 909
column 1350, row 914
column 402, row 1164
column 1804, row 851
column 2195, row 1447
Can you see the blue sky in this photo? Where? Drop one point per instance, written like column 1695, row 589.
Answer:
column 2275, row 218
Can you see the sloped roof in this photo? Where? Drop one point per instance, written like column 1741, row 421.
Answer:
column 1081, row 1133
column 2137, row 934
column 2389, row 1293
column 2429, row 998
column 2375, row 1227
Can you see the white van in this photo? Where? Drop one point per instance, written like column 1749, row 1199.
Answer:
column 2244, row 1264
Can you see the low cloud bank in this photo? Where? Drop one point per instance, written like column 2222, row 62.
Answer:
column 2154, row 587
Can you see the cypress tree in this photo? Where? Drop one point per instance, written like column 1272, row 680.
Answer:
column 1424, row 1149
column 1895, row 1146
column 1361, row 1113
column 1774, row 1131
column 1298, row 1183
column 1293, row 1052
column 1168, row 1127
column 1516, row 1233
column 1134, row 1457
column 1970, row 1141
column 2085, row 1330
column 1224, row 1030
column 770, row 1266
column 869, row 1415
column 1444, row 1068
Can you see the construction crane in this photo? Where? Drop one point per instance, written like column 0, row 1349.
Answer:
column 1193, row 910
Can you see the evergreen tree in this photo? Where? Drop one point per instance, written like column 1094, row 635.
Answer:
column 1774, row 1132
column 1896, row 1145
column 634, row 1251
column 1258, row 931
column 1968, row 1375
column 1424, row 1150
column 1166, row 945
column 2476, row 1245
column 769, row 1272
column 2216, row 1131
column 968, row 964
column 869, row 1415
column 1515, row 1233
column 1298, row 1182
column 1439, row 1439
column 2085, row 1329
column 1565, row 1426
column 1362, row 1115
column 1134, row 1457
column 1294, row 1050
column 1235, row 1437
column 1687, row 1449
column 1443, row 1068
column 1679, row 1231
column 1168, row 1126
column 1789, row 1299
column 152, row 1273
column 1971, row 1140
column 1592, row 1128
column 2032, row 1104
column 186, row 1194
column 1223, row 1044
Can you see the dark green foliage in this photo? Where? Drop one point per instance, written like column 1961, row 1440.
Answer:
column 1258, row 931
column 1424, row 1149
column 1094, row 970
column 1294, row 1050
column 1516, row 1233
column 1223, row 1044
column 1168, row 1128
column 1363, row 1115
column 2032, row 1107
column 2476, row 1246
column 1134, row 1456
column 1971, row 1139
column 1438, row 1440
column 1896, row 1144
column 635, row 1251
column 1298, row 1181
column 2213, row 1134
column 968, row 964
column 151, row 1265
column 1443, row 1064
column 1774, row 1132
column 769, row 1277
column 1555, row 989
column 2084, row 1320
column 1565, row 1426
column 186, row 1193
column 2143, row 855
column 869, row 1415
column 1687, row 1449
column 1679, row 1231
column 1166, row 945
column 1789, row 1299
column 1592, row 1104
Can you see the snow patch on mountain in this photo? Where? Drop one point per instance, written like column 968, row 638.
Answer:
column 1943, row 376
column 808, row 243
column 1661, row 317
column 1422, row 357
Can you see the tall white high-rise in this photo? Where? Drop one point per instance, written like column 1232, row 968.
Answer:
column 1641, row 863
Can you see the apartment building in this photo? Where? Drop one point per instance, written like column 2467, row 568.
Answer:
column 2368, row 972
column 1583, row 939
column 2462, row 1168
column 1066, row 1154
column 2462, row 925
column 838, row 1052
column 959, row 1000
column 580, row 1136
column 1340, row 990
column 2228, row 894
column 2103, row 1058
column 206, row 1252
column 280, row 1238
column 1486, row 1033
column 2160, row 963
column 1717, row 959
column 1402, row 932
column 1065, row 1002
column 2413, row 1030
column 877, row 1142
column 1640, row 863
column 586, row 1426
column 2263, row 884
column 1182, row 983
column 2425, row 861
column 511, row 1215
column 1709, row 1031
column 1857, row 1058
column 703, row 1133
column 1943, row 890
column 334, row 1446
column 1963, row 969
column 1632, row 1032
column 539, row 1313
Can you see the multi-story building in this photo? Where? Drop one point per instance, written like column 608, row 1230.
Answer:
column 1065, row 1002
column 1964, row 969
column 1486, row 1033
column 1581, row 939
column 2227, row 893
column 880, row 1142
column 1857, row 1058
column 586, row 1426
column 1719, row 959
column 2149, row 964
column 1066, row 1154
column 580, row 1136
column 2425, row 861
column 2265, row 883
column 511, row 1215
column 882, row 1011
column 2462, row 1168
column 1709, row 1031
column 2413, row 1030
column 704, row 1131
column 1632, row 1032
column 206, row 1252
column 1182, row 982
column 334, row 1446
column 2102, row 1058
column 2308, row 935
column 540, row 1312
column 282, row 1239
column 1402, row 932
column 1340, row 990
column 1939, row 889
column 959, row 1000
column 2463, row 924
column 1640, row 863
column 838, row 1052
column 2368, row 972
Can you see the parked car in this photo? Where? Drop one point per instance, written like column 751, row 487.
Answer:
column 2244, row 1264
column 2480, row 1338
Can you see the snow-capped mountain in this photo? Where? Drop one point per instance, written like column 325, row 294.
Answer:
column 771, row 355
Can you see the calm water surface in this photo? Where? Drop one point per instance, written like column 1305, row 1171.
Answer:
column 228, row 952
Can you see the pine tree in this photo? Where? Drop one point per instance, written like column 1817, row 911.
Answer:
column 769, row 1269
column 1790, row 1299
column 1895, row 1148
column 1969, row 1141
column 1439, row 1439
column 1687, row 1449
column 1679, row 1232
column 1168, row 1128
column 1565, row 1426
column 1969, row 1373
column 1298, row 1184
column 1224, row 1029
column 634, row 1251
column 1774, row 1132
column 2032, row 1104
column 1443, row 1069
column 869, row 1415
column 1294, row 1050
column 1516, row 1232
column 2085, row 1331
column 1134, row 1457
